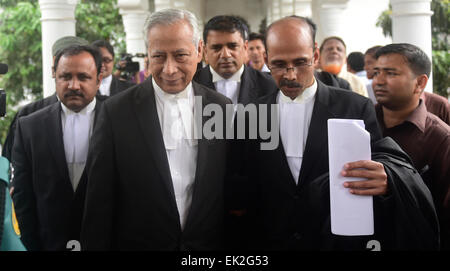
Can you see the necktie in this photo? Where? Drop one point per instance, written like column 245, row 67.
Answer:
column 76, row 137
column 292, row 119
column 227, row 88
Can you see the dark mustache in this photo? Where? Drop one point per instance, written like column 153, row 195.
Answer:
column 73, row 93
column 289, row 84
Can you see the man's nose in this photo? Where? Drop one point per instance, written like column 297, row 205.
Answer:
column 225, row 53
column 74, row 84
column 170, row 66
column 290, row 73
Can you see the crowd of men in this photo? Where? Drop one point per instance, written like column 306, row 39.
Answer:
column 121, row 166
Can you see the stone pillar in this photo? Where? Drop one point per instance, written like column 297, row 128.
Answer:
column 302, row 8
column 57, row 20
column 276, row 11
column 331, row 21
column 134, row 13
column 286, row 8
column 411, row 23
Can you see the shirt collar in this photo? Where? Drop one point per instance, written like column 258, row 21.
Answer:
column 107, row 80
column 86, row 110
column 419, row 116
column 236, row 76
column 164, row 96
column 305, row 97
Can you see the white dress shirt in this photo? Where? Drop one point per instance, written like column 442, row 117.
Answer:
column 77, row 130
column 265, row 68
column 105, row 86
column 228, row 87
column 295, row 117
column 176, row 117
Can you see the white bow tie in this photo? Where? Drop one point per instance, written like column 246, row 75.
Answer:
column 178, row 122
column 76, row 137
column 292, row 118
column 227, row 87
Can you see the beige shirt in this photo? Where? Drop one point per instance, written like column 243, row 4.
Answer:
column 355, row 82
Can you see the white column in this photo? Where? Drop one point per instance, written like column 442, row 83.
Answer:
column 134, row 13
column 286, row 8
column 57, row 20
column 276, row 14
column 302, row 8
column 331, row 21
column 411, row 23
column 269, row 12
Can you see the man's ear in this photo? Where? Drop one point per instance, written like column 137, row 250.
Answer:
column 421, row 82
column 99, row 79
column 316, row 56
column 200, row 51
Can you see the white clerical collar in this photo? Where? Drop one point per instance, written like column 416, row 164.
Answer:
column 86, row 110
column 185, row 93
column 236, row 76
column 305, row 97
column 105, row 85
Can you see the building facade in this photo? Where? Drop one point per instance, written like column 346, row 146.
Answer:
column 353, row 20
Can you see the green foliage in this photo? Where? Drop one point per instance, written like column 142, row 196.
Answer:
column 21, row 45
column 385, row 22
column 20, row 48
column 440, row 22
column 100, row 19
column 441, row 68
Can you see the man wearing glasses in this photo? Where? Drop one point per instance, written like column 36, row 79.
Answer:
column 110, row 85
column 290, row 184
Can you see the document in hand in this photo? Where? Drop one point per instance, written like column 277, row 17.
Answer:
column 351, row 214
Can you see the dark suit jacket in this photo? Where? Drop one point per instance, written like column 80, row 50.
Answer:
column 119, row 85
column 130, row 202
column 281, row 207
column 26, row 110
column 332, row 80
column 254, row 84
column 49, row 212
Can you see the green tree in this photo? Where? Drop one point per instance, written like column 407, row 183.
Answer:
column 440, row 22
column 20, row 48
column 21, row 45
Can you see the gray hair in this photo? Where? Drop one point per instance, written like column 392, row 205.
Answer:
column 169, row 17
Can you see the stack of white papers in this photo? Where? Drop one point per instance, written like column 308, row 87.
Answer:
column 351, row 214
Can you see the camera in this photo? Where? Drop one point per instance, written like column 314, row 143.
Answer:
column 127, row 66
column 3, row 70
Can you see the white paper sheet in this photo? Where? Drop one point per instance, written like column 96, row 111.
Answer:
column 351, row 214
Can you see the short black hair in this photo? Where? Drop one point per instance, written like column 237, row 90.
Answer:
column 256, row 36
column 104, row 44
column 78, row 49
column 372, row 51
column 355, row 60
column 312, row 27
column 417, row 60
column 332, row 38
column 225, row 23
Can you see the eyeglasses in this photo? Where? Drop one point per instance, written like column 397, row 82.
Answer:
column 282, row 67
column 107, row 60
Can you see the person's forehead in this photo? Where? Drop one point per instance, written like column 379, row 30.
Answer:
column 333, row 42
column 216, row 36
column 393, row 59
column 104, row 51
column 82, row 60
column 256, row 42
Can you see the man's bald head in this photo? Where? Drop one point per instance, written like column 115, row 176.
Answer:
column 295, row 25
